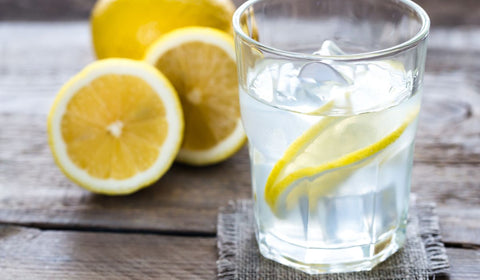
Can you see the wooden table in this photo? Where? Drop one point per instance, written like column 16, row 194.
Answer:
column 52, row 229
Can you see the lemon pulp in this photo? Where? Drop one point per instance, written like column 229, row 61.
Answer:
column 200, row 63
column 116, row 126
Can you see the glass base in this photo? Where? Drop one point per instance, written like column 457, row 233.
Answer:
column 331, row 260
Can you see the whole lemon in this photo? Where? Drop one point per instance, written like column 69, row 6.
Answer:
column 125, row 28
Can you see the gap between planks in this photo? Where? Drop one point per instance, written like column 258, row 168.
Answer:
column 74, row 228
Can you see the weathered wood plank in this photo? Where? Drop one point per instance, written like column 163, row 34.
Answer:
column 456, row 185
column 36, row 59
column 34, row 254
column 451, row 13
column 463, row 39
column 449, row 126
column 464, row 264
column 460, row 226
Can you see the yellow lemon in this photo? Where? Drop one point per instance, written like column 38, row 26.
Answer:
column 125, row 28
column 116, row 126
column 200, row 63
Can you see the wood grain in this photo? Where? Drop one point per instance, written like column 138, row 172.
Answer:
column 451, row 13
column 460, row 226
column 464, row 264
column 27, row 253
column 447, row 184
column 449, row 127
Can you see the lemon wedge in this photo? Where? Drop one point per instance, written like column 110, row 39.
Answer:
column 200, row 63
column 332, row 144
column 116, row 126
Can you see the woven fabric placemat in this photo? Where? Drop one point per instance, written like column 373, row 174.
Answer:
column 239, row 258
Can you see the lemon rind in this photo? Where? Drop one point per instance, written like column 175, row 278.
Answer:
column 180, row 36
column 223, row 150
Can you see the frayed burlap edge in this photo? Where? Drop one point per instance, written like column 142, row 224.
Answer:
column 226, row 238
column 429, row 231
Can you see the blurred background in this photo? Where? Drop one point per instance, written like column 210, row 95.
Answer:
column 442, row 12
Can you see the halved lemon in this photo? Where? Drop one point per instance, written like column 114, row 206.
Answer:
column 116, row 126
column 200, row 63
column 320, row 157
column 125, row 28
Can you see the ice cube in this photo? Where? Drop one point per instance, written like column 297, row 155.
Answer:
column 354, row 87
column 294, row 85
column 379, row 84
column 320, row 72
column 329, row 48
column 286, row 81
column 328, row 70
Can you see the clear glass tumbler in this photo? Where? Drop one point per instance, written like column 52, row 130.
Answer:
column 330, row 93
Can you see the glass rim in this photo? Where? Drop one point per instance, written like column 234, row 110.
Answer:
column 413, row 41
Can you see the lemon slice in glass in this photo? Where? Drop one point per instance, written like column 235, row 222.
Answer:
column 334, row 143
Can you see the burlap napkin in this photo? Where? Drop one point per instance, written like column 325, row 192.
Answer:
column 423, row 255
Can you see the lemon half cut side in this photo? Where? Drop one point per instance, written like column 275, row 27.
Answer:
column 200, row 63
column 116, row 126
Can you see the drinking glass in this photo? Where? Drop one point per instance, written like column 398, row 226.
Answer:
column 330, row 92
